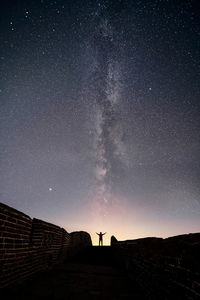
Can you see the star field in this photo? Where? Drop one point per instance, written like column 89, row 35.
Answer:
column 99, row 114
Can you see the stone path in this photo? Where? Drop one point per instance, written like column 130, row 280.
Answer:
column 91, row 275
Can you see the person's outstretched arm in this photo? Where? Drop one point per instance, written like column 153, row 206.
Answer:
column 97, row 233
column 104, row 233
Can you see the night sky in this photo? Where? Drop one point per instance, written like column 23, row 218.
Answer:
column 99, row 114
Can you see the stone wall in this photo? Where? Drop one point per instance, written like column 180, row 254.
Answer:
column 164, row 268
column 15, row 231
column 28, row 246
column 78, row 238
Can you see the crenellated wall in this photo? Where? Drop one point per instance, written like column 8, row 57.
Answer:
column 164, row 268
column 28, row 246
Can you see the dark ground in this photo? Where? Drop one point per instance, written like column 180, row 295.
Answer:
column 90, row 275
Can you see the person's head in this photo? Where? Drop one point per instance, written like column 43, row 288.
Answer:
column 100, row 232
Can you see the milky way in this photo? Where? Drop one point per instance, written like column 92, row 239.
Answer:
column 104, row 90
column 99, row 115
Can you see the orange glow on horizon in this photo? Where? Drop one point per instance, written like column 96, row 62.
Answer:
column 124, row 222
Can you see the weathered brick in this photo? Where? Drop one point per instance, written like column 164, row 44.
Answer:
column 27, row 244
column 3, row 216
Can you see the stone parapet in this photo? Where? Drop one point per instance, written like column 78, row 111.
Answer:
column 30, row 245
column 164, row 268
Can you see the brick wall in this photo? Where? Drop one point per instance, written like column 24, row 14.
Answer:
column 46, row 242
column 164, row 268
column 28, row 246
column 15, row 230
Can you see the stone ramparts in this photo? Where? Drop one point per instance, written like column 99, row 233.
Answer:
column 28, row 246
column 164, row 268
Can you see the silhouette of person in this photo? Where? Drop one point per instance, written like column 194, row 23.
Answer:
column 101, row 238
